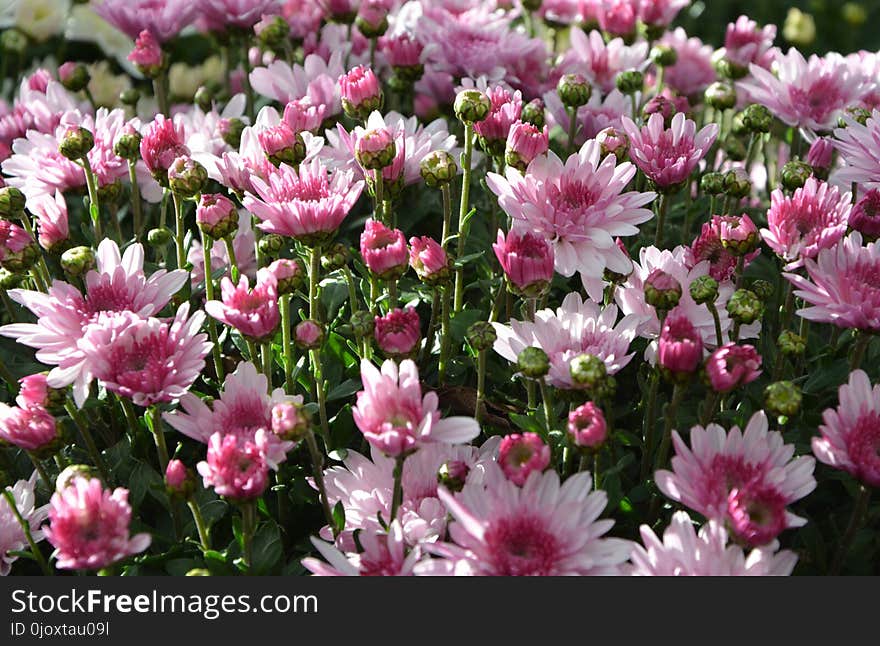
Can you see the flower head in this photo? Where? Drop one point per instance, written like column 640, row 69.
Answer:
column 31, row 428
column 520, row 455
column 12, row 538
column 253, row 312
column 398, row 332
column 236, row 467
column 733, row 366
column 527, row 260
column 429, row 260
column 587, row 426
column 384, row 250
column 163, row 18
column 681, row 346
column 162, row 143
column 865, row 215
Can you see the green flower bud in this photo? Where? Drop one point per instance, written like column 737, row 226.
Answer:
column 271, row 244
column 704, row 290
column 738, row 125
column 362, row 323
column 726, row 68
column 128, row 146
column 783, row 399
column 630, row 82
column 335, row 257
column 795, row 174
column 712, row 183
column 533, row 113
column 230, row 131
column 532, row 5
column 109, row 193
column 721, row 96
column 757, row 118
column 370, row 30
column 745, row 307
column 78, row 261
column 204, row 98
column 662, row 290
column 275, row 34
column 74, row 471
column 533, row 363
column 438, row 168
column 22, row 260
column 452, row 475
column 76, row 143
column 187, row 177
column 735, row 148
column 737, row 183
column 481, row 336
column 472, row 106
column 763, row 289
column 664, row 55
column 10, row 280
column 854, row 14
column 12, row 202
column 791, row 344
column 588, row 370
column 159, row 237
column 76, row 78
column 574, row 90
column 13, row 41
column 130, row 96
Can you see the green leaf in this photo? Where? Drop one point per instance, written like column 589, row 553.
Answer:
column 344, row 390
column 339, row 517
column 267, row 548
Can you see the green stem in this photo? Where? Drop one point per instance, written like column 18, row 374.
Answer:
column 352, row 291
column 161, row 94
column 248, row 528
column 179, row 233
column 709, row 407
column 662, row 208
column 447, row 213
column 397, row 496
column 318, row 471
column 378, row 187
column 572, row 129
column 44, row 476
column 287, row 346
column 267, row 362
column 248, row 90
column 444, row 335
column 207, row 243
column 860, row 350
column 253, row 351
column 481, row 385
column 201, row 527
column 466, row 157
column 392, row 294
column 94, row 204
column 649, row 423
column 136, row 207
column 233, row 262
column 159, row 437
column 547, row 400
column 26, row 528
column 719, row 335
column 671, row 416
column 860, row 510
column 88, row 439
column 130, row 417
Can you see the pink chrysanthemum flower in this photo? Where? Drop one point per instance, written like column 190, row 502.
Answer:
column 399, row 332
column 744, row 479
column 236, row 467
column 506, row 110
column 660, row 13
column 34, row 391
column 843, row 286
column 693, row 71
column 683, row 552
column 31, row 428
column 164, row 18
column 540, row 529
column 601, row 62
column 118, row 284
column 814, row 218
column 51, row 217
column 521, row 454
column 527, row 260
column 163, row 141
column 578, row 206
column 746, row 43
column 383, row 554
column 12, row 538
column 668, row 157
column 577, row 327
column 810, row 94
column 309, row 205
column 587, row 426
column 89, row 526
column 315, row 79
column 384, row 250
column 680, row 349
column 253, row 312
column 618, row 17
column 708, row 247
column 243, row 409
column 396, row 419
column 864, row 215
column 859, row 147
column 594, row 117
column 733, row 366
column 219, row 15
column 851, row 432
column 147, row 360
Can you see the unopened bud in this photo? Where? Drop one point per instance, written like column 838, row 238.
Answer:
column 472, row 106
column 481, row 336
column 438, row 169
column 533, row 363
column 783, row 398
column 76, row 143
column 574, row 90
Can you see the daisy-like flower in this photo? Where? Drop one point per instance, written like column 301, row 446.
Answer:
column 31, row 428
column 253, row 312
column 579, row 207
column 50, row 213
column 668, row 157
column 851, row 432
column 89, row 526
column 396, row 419
column 859, row 147
column 540, row 529
column 309, row 204
column 601, row 62
column 594, row 117
column 118, row 284
column 12, row 538
column 316, row 79
column 219, row 15
column 683, row 552
column 163, row 18
column 814, row 218
column 147, row 360
column 744, row 479
column 578, row 327
column 746, row 43
column 384, row 554
column 236, row 466
column 693, row 71
column 810, row 94
column 843, row 286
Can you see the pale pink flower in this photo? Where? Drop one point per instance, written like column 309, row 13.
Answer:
column 810, row 94
column 243, row 409
column 814, row 218
column 398, row 332
column 618, row 17
column 162, row 143
column 235, row 467
column 821, row 154
column 587, row 427
column 37, row 168
column 384, row 554
column 746, row 43
column 851, row 432
column 564, row 12
column 669, row 156
column 579, row 207
column 746, row 478
column 89, row 526
column 526, row 258
column 118, row 284
column 253, row 312
column 599, row 114
column 51, row 217
column 428, row 258
column 147, row 360
column 521, row 454
column 732, row 366
column 602, row 62
column 12, row 538
column 309, row 204
column 540, row 529
column 244, row 14
column 315, row 79
column 524, row 143
column 506, row 110
column 683, row 552
column 843, row 286
column 693, row 71
column 360, row 86
column 383, row 250
column 396, row 419
column 164, row 18
column 31, row 428
column 660, row 13
column 859, row 147
column 402, row 50
column 577, row 327
column 147, row 53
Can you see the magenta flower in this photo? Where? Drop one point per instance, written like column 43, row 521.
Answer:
column 396, row 419
column 216, row 215
column 746, row 43
column 18, row 250
column 164, row 18
column 579, row 207
column 147, row 53
column 751, row 474
column 360, row 90
column 527, row 260
column 308, row 205
column 521, row 454
column 384, row 250
column 235, row 467
column 428, row 259
column 244, row 14
column 810, row 94
column 253, row 312
column 147, row 360
column 31, row 428
column 851, row 432
column 176, row 476
column 859, row 147
column 383, row 554
column 577, row 327
column 12, row 538
column 843, row 287
column 693, row 71
column 587, row 427
column 814, row 218
column 540, row 529
column 680, row 349
column 709, row 247
column 118, row 284
column 683, row 552
column 506, row 110
column 864, row 215
column 162, row 143
column 89, row 526
column 308, row 334
column 601, row 62
column 732, row 366
column 34, row 391
column 821, row 155
column 524, row 143
column 668, row 157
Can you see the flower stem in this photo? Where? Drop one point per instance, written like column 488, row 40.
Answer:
column 352, row 292
column 136, row 208
column 26, row 528
column 572, row 129
column 161, row 94
column 650, row 422
column 444, row 336
column 397, row 496
column 378, row 186
column 481, row 385
column 159, row 436
column 464, row 209
column 248, row 89
column 318, row 471
column 860, row 350
column 248, row 528
column 286, row 344
column 233, row 263
column 447, row 213
column 94, row 204
column 44, row 476
column 709, row 407
column 209, row 295
column 855, row 521
column 88, row 439
column 178, row 235
column 671, row 416
column 662, row 208
column 719, row 335
column 266, row 350
column 204, row 533
column 546, row 398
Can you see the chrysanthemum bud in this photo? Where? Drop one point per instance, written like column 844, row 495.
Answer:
column 376, row 149
column 734, row 147
column 745, row 307
column 757, row 118
column 289, row 275
column 453, row 475
column 662, row 290
column 78, row 261
column 533, row 113
column 217, row 216
column 361, row 92
column 721, row 96
column 783, row 399
column 587, row 427
column 472, row 106
column 273, row 32
column 533, row 363
column 230, row 131
column 13, row 41
column 179, row 481
column 664, row 55
column 308, row 335
column 187, row 177
column 290, row 421
column 18, row 250
column 438, row 168
column 737, row 233
column 795, row 174
column 271, row 244
column 737, row 183
column 791, row 344
column 362, row 323
column 613, row 141
column 481, row 336
column 712, row 183
column 630, row 82
column 335, row 257
column 128, row 146
column 574, row 90
column 204, row 98
column 821, row 156
column 76, row 143
column 12, row 202
column 525, row 142
column 9, row 279
column 282, row 145
column 763, row 289
column 73, row 76
column 159, row 237
column 588, row 370
column 429, row 260
column 704, row 290
column 372, row 19
column 520, row 455
column 130, row 96
column 74, row 471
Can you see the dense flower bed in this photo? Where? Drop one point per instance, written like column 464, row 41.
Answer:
column 435, row 288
